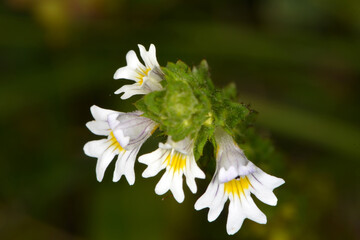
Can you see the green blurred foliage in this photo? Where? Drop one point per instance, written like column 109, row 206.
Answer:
column 296, row 62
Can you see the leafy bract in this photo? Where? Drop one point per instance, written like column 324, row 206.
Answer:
column 190, row 105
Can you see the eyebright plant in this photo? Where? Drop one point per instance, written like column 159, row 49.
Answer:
column 205, row 127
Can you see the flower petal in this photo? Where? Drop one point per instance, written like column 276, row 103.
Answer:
column 129, row 166
column 120, row 165
column 190, row 181
column 131, row 90
column 269, row 181
column 217, row 205
column 205, row 200
column 177, row 188
column 154, row 161
column 98, row 127
column 112, row 120
column 96, row 148
column 133, row 61
column 119, row 135
column 251, row 210
column 153, row 169
column 164, row 184
column 126, row 73
column 145, row 56
column 103, row 162
column 198, row 173
column 100, row 114
column 152, row 157
column 235, row 217
column 227, row 175
column 263, row 193
column 152, row 56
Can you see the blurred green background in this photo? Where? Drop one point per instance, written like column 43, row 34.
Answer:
column 296, row 62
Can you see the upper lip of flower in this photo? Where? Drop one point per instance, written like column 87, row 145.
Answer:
column 231, row 160
column 132, row 129
column 226, row 175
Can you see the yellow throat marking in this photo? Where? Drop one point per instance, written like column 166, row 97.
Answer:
column 176, row 162
column 237, row 186
column 154, row 129
column 115, row 143
column 142, row 73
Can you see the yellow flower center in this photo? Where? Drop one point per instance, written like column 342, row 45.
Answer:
column 237, row 186
column 115, row 143
column 176, row 162
column 142, row 73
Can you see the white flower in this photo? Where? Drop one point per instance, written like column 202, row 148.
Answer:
column 179, row 160
column 147, row 78
column 111, row 123
column 235, row 178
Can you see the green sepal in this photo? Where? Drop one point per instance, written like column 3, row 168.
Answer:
column 154, row 103
column 204, row 134
column 141, row 106
column 202, row 77
column 230, row 91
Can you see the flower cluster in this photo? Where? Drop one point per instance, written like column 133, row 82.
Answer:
column 184, row 105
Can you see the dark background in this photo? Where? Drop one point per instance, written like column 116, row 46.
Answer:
column 296, row 62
